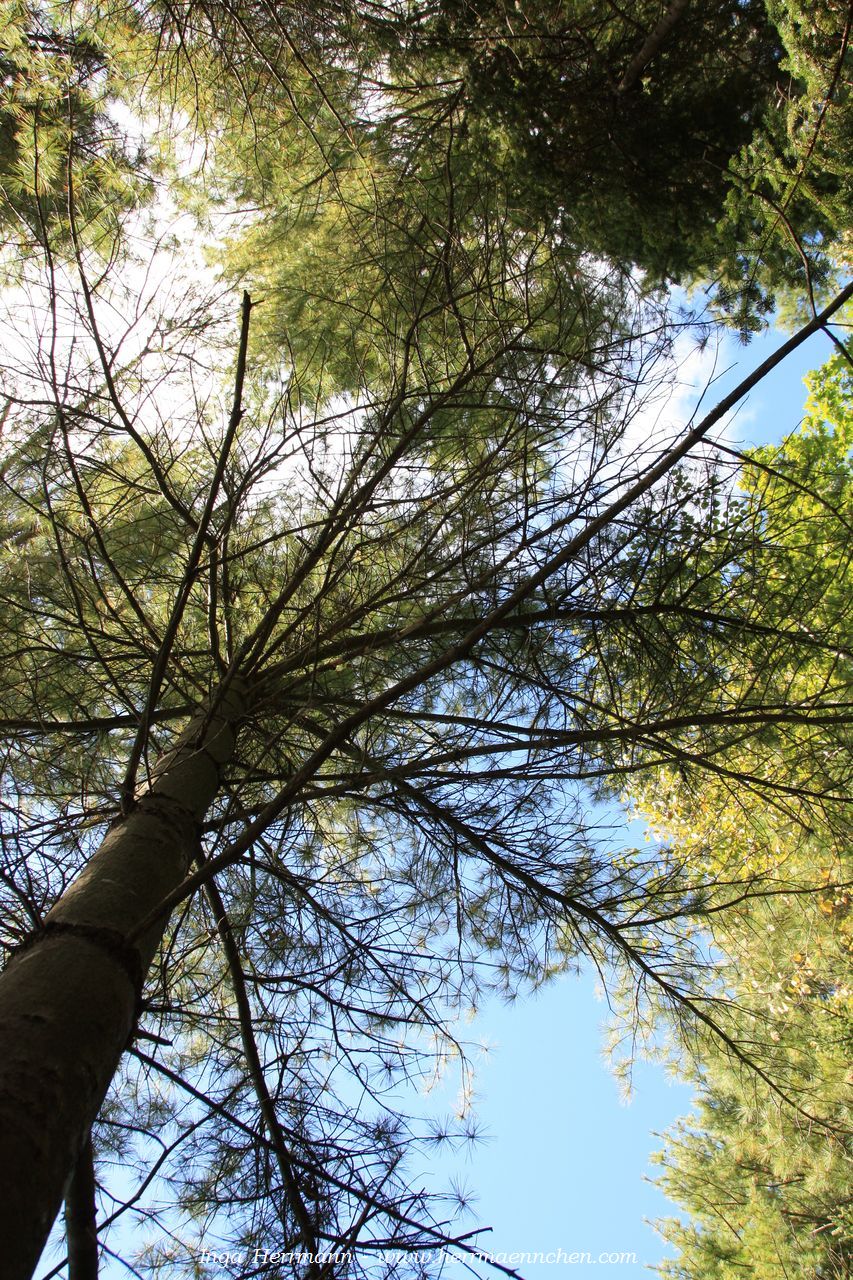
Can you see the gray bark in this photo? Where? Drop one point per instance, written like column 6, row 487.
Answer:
column 69, row 999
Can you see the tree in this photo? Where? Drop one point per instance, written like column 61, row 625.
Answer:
column 703, row 143
column 784, row 236
column 62, row 68
column 303, row 694
column 332, row 667
column 623, row 120
column 767, row 1193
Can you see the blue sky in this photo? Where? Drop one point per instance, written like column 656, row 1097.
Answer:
column 566, row 1157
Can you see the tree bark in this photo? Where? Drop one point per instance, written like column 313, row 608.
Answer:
column 81, row 1221
column 651, row 45
column 69, row 998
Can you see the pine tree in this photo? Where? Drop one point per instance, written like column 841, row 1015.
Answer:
column 313, row 657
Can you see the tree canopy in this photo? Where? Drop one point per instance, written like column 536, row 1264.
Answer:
column 329, row 618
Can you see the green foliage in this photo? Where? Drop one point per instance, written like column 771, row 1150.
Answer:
column 63, row 68
column 711, row 145
column 629, row 151
column 407, row 539
column 379, row 278
column 767, row 1190
column 785, row 233
column 706, row 144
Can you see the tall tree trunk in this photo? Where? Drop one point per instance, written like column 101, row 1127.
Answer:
column 81, row 1222
column 69, row 998
column 651, row 45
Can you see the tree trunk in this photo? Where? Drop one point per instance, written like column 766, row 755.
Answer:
column 81, row 1220
column 69, row 997
column 651, row 45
